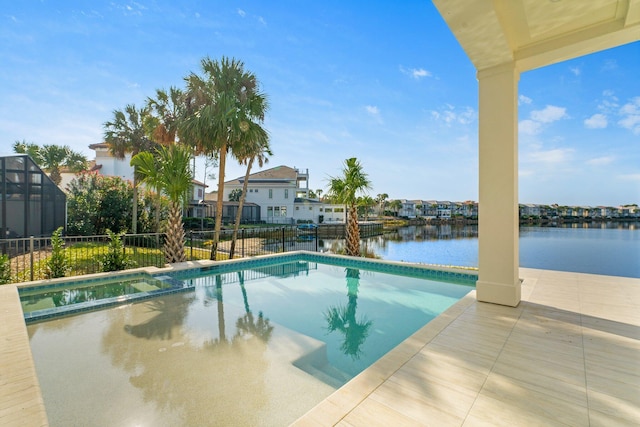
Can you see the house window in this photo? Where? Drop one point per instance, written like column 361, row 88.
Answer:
column 338, row 210
column 297, row 208
column 310, row 208
column 320, row 209
column 256, row 190
column 270, row 193
column 269, row 211
column 276, row 211
column 199, row 193
column 251, row 190
column 327, row 210
column 286, row 193
column 283, row 211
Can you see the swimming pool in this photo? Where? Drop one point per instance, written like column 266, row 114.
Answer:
column 253, row 343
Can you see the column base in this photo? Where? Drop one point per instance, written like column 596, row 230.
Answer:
column 498, row 293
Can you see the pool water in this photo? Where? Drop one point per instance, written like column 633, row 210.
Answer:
column 53, row 300
column 259, row 346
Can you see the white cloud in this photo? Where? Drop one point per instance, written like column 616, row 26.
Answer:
column 630, row 113
column 449, row 115
column 597, row 121
column 262, row 21
column 416, row 73
column 575, row 70
column 242, row 13
column 549, row 114
column 630, row 177
column 522, row 100
column 557, row 155
column 529, row 127
column 373, row 110
column 601, row 161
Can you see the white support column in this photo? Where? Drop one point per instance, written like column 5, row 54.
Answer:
column 498, row 280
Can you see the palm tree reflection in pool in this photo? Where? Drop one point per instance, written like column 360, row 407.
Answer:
column 248, row 324
column 343, row 318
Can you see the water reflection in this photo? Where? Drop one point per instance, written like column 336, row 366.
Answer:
column 343, row 318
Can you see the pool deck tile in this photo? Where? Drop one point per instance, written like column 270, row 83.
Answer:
column 21, row 402
column 568, row 355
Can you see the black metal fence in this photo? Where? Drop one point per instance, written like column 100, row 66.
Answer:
column 28, row 256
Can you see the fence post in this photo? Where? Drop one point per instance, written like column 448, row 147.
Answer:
column 316, row 239
column 191, row 243
column 31, row 248
column 283, row 249
column 243, row 243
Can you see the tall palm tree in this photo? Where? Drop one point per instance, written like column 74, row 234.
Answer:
column 345, row 190
column 224, row 109
column 30, row 148
column 127, row 133
column 248, row 153
column 165, row 112
column 168, row 170
column 367, row 203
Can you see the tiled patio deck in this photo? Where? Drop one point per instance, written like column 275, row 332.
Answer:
column 568, row 355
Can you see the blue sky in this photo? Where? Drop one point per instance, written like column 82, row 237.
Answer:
column 387, row 84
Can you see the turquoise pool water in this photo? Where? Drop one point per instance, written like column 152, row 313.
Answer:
column 254, row 343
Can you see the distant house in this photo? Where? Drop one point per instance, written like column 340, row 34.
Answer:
column 282, row 193
column 31, row 204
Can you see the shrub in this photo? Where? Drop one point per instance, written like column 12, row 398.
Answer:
column 115, row 259
column 5, row 269
column 57, row 265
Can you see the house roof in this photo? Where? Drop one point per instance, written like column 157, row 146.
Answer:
column 535, row 33
column 276, row 174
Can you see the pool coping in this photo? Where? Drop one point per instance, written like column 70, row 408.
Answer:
column 21, row 401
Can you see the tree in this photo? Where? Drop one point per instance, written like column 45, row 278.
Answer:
column 224, row 109
column 127, row 133
column 396, row 205
column 57, row 264
column 165, row 112
column 381, row 199
column 367, row 203
column 52, row 158
column 319, row 193
column 235, row 195
column 345, row 190
column 168, row 169
column 248, row 153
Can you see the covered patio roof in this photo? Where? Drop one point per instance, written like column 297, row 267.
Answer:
column 535, row 33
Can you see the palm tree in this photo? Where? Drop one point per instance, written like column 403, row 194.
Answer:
column 381, row 199
column 170, row 173
column 367, row 203
column 224, row 109
column 127, row 133
column 344, row 190
column 247, row 154
column 396, row 205
column 165, row 111
column 30, row 148
column 52, row 158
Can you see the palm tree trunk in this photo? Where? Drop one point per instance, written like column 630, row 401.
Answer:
column 174, row 246
column 236, row 226
column 353, row 232
column 218, row 224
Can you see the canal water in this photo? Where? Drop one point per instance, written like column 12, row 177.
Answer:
column 610, row 248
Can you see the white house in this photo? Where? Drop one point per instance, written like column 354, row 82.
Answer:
column 282, row 194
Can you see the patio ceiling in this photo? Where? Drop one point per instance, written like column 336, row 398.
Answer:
column 535, row 33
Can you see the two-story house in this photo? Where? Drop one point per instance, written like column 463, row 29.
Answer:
column 282, row 193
